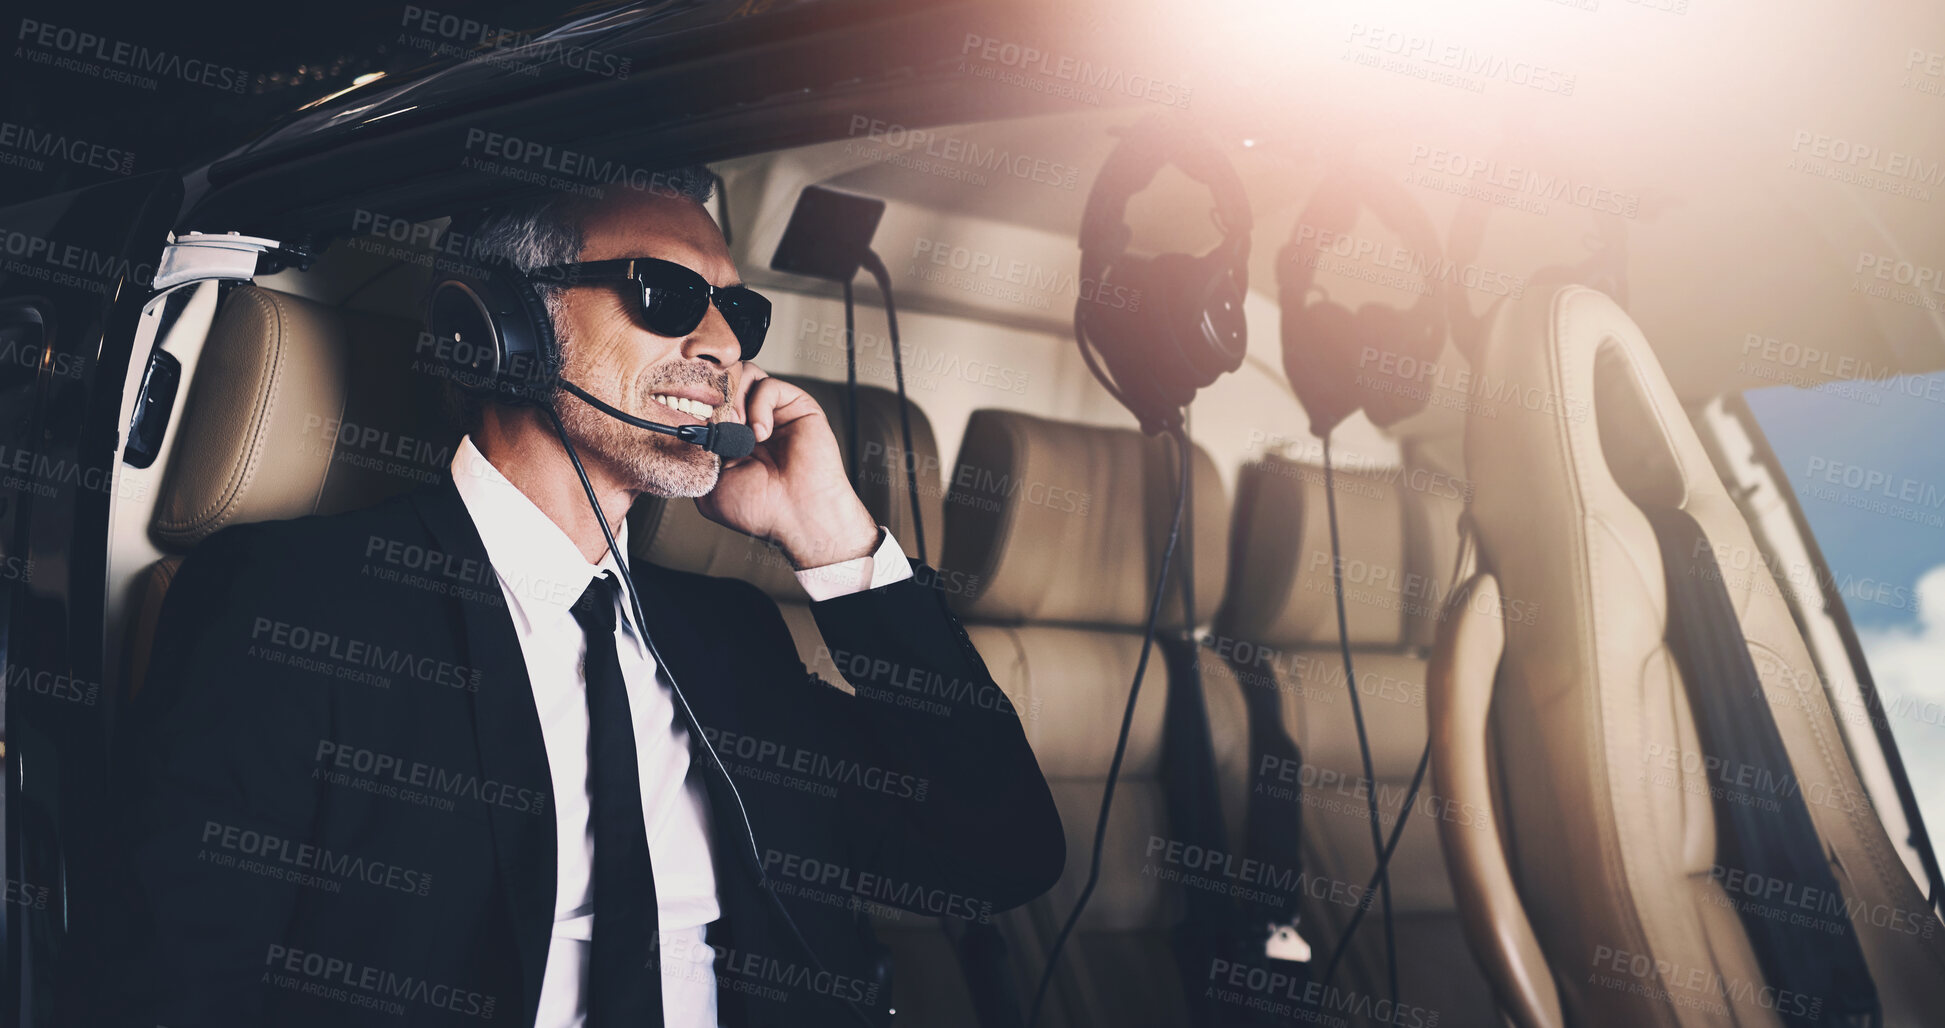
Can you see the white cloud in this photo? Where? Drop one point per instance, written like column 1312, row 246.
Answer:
column 1908, row 664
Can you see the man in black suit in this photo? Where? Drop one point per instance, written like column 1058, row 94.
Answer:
column 417, row 763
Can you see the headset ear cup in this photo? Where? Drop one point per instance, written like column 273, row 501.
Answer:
column 529, row 350
column 1114, row 309
column 1206, row 336
column 1316, row 343
column 461, row 331
column 1383, row 382
column 1394, row 383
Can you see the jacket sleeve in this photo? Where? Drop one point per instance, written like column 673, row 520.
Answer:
column 217, row 743
column 987, row 828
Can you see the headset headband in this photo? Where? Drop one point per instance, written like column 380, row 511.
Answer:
column 1339, row 198
column 1145, row 147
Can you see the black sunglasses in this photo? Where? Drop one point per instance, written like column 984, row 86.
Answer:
column 674, row 298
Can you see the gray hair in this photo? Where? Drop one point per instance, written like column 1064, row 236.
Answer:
column 539, row 232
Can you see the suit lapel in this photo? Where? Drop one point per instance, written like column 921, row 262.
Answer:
column 506, row 726
column 682, row 645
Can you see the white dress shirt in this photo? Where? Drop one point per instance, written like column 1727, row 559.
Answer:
column 542, row 573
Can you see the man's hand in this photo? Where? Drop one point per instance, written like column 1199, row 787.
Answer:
column 792, row 489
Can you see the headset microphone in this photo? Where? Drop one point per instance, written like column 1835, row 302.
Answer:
column 727, row 439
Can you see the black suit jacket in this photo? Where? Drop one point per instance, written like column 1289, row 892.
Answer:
column 334, row 806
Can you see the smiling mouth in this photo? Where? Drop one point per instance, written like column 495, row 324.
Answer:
column 683, row 405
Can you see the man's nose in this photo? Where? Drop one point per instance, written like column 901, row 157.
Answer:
column 713, row 341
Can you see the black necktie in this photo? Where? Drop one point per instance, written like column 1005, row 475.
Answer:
column 624, row 976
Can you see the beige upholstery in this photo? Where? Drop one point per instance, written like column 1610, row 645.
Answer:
column 296, row 408
column 1278, row 629
column 1035, row 501
column 1613, row 841
column 1060, row 526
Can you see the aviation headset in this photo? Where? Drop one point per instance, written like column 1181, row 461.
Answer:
column 1176, row 319
column 1326, row 343
column 1172, row 324
column 502, row 338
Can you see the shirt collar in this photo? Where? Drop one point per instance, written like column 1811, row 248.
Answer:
column 535, row 559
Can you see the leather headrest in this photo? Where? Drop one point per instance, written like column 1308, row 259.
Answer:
column 1397, row 531
column 298, row 408
column 1052, row 521
column 674, row 534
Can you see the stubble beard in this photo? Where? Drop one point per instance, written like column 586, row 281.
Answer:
column 657, row 464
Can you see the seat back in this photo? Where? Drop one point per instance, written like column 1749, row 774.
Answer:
column 1277, row 631
column 1603, row 786
column 1057, row 528
column 296, row 408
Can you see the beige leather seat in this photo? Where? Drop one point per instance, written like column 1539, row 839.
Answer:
column 1057, row 527
column 1277, row 631
column 928, row 987
column 1607, row 905
column 296, row 408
